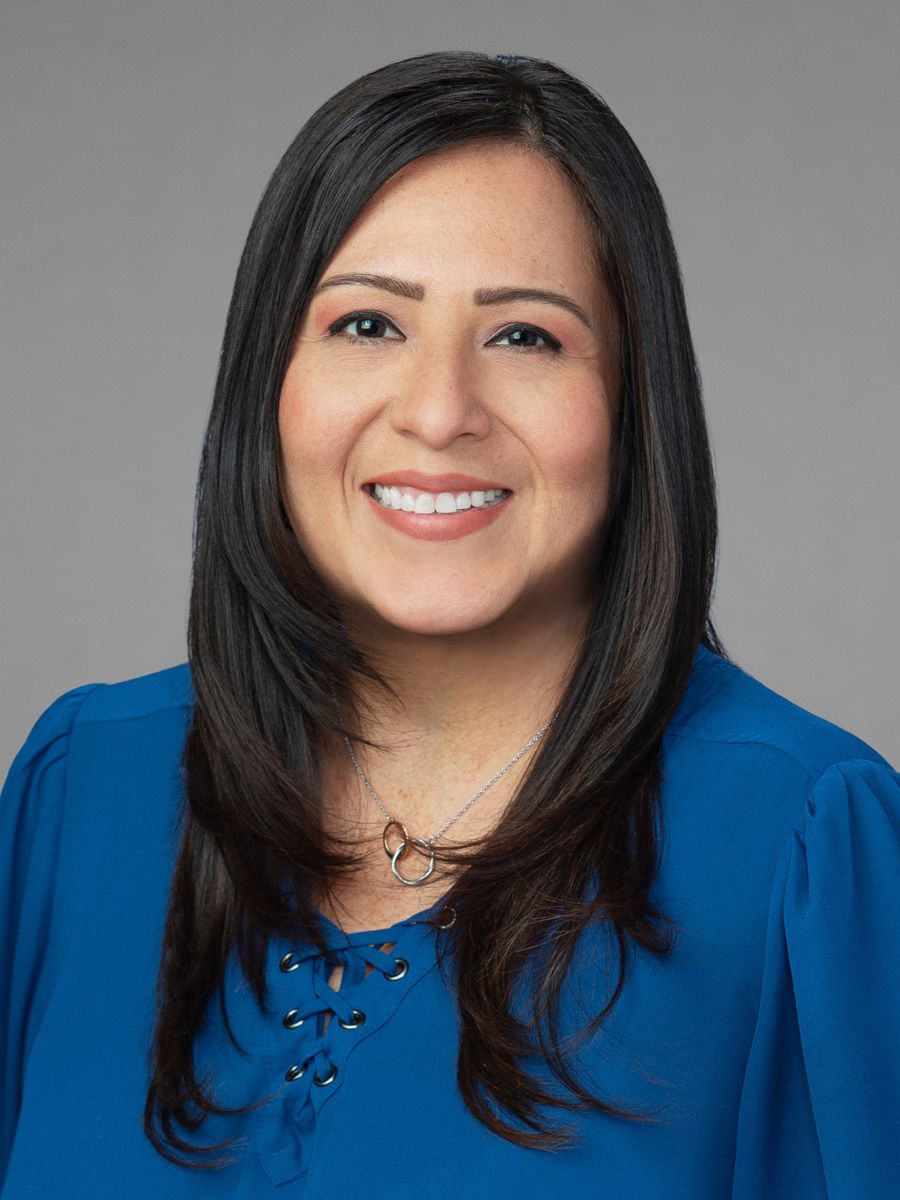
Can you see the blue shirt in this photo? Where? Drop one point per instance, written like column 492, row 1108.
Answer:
column 767, row 1042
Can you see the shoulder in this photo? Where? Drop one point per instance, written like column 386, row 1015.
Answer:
column 99, row 755
column 730, row 711
column 745, row 768
column 763, row 799
column 87, row 838
column 97, row 780
column 110, row 706
column 127, row 699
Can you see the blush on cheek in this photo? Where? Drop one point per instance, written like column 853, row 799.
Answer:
column 580, row 474
column 580, row 448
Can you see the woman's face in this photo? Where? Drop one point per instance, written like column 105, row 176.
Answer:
column 435, row 372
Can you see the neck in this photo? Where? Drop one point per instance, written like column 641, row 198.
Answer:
column 466, row 704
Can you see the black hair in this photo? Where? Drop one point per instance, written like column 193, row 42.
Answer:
column 267, row 640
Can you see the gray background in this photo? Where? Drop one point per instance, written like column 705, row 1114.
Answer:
column 136, row 140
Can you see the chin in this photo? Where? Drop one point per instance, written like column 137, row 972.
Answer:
column 436, row 619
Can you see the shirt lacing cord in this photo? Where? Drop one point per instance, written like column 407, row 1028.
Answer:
column 327, row 999
column 286, row 1137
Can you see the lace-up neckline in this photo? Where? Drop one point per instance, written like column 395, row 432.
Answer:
column 329, row 1002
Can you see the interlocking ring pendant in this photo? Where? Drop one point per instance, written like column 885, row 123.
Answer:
column 401, row 850
column 404, row 839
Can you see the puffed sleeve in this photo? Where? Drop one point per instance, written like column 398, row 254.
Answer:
column 820, row 1106
column 31, row 806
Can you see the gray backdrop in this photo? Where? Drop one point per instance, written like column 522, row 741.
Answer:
column 136, row 139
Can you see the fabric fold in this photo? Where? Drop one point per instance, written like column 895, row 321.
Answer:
column 31, row 813
column 285, row 1138
column 820, row 1106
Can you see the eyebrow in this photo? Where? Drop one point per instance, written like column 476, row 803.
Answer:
column 482, row 296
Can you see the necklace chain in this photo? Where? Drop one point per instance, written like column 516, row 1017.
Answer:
column 427, row 844
column 434, row 837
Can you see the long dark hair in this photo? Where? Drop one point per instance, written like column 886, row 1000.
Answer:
column 267, row 640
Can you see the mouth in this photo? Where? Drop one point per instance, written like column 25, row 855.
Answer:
column 405, row 498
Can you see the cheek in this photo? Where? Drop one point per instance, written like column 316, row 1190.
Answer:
column 307, row 458
column 575, row 454
column 297, row 424
column 316, row 428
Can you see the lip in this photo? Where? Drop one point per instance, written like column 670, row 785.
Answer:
column 449, row 482
column 437, row 527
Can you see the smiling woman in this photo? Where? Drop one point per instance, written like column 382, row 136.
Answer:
column 458, row 812
column 510, row 389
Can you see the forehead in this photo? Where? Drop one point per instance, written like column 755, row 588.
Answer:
column 477, row 214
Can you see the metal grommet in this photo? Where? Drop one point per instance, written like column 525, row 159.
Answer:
column 295, row 1072
column 330, row 1078
column 289, row 962
column 292, row 1019
column 402, row 968
column 448, row 908
column 358, row 1019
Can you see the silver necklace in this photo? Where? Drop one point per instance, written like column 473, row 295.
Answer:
column 427, row 844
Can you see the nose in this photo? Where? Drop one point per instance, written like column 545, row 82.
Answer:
column 438, row 399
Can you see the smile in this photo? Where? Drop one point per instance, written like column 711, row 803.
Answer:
column 436, row 516
column 415, row 500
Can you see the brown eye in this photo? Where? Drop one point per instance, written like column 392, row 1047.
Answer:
column 521, row 335
column 369, row 324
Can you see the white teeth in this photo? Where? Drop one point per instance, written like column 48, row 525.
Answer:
column 443, row 502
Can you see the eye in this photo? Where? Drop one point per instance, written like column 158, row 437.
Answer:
column 550, row 342
column 369, row 323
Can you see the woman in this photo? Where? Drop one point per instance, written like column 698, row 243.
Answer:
column 458, row 816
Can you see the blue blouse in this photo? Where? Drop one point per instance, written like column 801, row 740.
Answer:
column 767, row 1043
